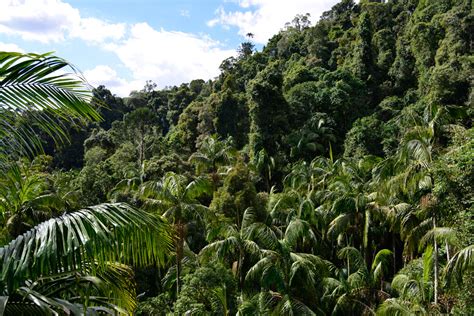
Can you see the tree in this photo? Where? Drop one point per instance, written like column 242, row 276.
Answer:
column 140, row 127
column 289, row 282
column 176, row 199
column 237, row 245
column 231, row 114
column 30, row 194
column 349, row 196
column 208, row 290
column 358, row 288
column 236, row 195
column 212, row 154
column 269, row 111
column 362, row 63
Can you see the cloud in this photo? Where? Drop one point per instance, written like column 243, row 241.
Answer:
column 185, row 13
column 213, row 22
column 264, row 18
column 8, row 47
column 168, row 57
column 95, row 30
column 40, row 20
column 51, row 21
column 105, row 75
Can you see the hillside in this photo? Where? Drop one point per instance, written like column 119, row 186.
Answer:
column 330, row 172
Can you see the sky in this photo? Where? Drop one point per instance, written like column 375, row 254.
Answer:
column 123, row 43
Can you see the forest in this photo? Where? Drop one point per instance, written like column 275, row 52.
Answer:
column 329, row 173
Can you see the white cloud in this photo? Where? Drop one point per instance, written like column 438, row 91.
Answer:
column 105, row 75
column 185, row 13
column 213, row 22
column 168, row 57
column 95, row 30
column 51, row 20
column 264, row 18
column 40, row 20
column 8, row 47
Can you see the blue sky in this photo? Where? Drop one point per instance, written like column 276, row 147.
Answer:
column 123, row 43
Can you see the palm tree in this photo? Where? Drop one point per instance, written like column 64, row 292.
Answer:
column 264, row 165
column 28, row 197
column 414, row 289
column 288, row 281
column 234, row 246
column 312, row 138
column 19, row 192
column 211, row 155
column 358, row 287
column 349, row 194
column 34, row 96
column 67, row 264
column 70, row 263
column 176, row 199
column 413, row 181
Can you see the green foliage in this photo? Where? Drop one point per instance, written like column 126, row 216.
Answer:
column 358, row 130
column 269, row 111
column 30, row 85
column 237, row 194
column 364, row 138
column 159, row 305
column 232, row 117
column 210, row 290
column 86, row 245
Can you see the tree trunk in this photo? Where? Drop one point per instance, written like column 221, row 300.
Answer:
column 435, row 263
column 239, row 270
column 448, row 256
column 179, row 254
column 366, row 240
column 394, row 250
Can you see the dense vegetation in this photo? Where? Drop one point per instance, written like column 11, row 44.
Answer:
column 329, row 173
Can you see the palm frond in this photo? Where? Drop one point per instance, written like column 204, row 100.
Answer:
column 112, row 286
column 381, row 263
column 299, row 232
column 353, row 255
column 441, row 234
column 198, row 187
column 460, row 263
column 397, row 307
column 102, row 233
column 31, row 87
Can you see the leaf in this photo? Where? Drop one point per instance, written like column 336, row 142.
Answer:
column 460, row 263
column 102, row 233
column 31, row 84
column 3, row 303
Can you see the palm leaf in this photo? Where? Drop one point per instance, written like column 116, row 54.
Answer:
column 299, row 231
column 441, row 234
column 397, row 307
column 460, row 263
column 381, row 263
column 102, row 233
column 32, row 88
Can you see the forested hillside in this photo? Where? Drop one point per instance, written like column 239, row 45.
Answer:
column 330, row 172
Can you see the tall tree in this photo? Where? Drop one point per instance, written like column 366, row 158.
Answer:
column 176, row 199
